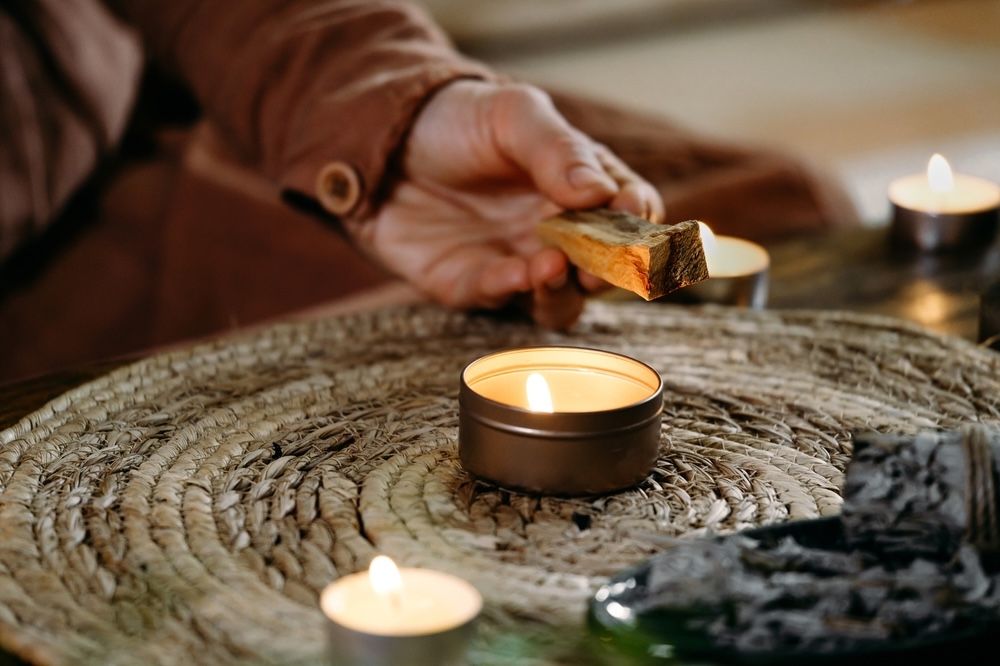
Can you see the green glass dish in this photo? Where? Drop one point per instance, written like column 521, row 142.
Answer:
column 620, row 615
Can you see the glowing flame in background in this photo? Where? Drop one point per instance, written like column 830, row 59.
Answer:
column 939, row 175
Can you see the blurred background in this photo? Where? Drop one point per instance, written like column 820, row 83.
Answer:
column 191, row 243
column 867, row 90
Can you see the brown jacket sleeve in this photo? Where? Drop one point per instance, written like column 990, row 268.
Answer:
column 317, row 94
column 68, row 75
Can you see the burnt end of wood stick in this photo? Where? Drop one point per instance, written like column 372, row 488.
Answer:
column 627, row 251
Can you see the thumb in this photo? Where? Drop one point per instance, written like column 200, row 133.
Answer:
column 561, row 161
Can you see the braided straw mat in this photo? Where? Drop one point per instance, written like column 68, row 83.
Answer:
column 189, row 508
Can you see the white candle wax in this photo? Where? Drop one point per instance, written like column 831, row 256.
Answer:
column 570, row 390
column 578, row 380
column 728, row 256
column 940, row 192
column 968, row 195
column 427, row 602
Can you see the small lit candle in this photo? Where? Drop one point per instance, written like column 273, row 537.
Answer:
column 560, row 420
column 941, row 209
column 737, row 271
column 400, row 616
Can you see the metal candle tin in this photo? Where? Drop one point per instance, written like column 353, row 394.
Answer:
column 939, row 231
column 942, row 209
column 349, row 647
column 603, row 435
column 748, row 291
column 350, row 644
column 737, row 273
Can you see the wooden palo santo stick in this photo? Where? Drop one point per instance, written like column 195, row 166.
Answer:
column 629, row 252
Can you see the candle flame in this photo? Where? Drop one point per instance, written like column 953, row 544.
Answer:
column 385, row 578
column 709, row 244
column 539, row 396
column 939, row 174
column 707, row 238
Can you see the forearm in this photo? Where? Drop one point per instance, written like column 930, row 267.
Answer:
column 297, row 85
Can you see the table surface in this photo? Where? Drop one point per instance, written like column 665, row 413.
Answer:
column 859, row 270
column 866, row 271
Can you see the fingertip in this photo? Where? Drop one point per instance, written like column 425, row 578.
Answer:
column 583, row 185
column 659, row 210
column 549, row 268
column 592, row 284
column 654, row 204
column 586, row 177
column 640, row 199
column 557, row 309
column 502, row 279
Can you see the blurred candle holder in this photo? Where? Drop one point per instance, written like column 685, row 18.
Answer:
column 560, row 420
column 942, row 210
column 737, row 273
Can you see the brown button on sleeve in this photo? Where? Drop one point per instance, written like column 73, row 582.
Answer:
column 338, row 188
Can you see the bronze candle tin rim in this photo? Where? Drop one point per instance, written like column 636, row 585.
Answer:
column 929, row 231
column 561, row 453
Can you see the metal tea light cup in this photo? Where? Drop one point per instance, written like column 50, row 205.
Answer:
column 430, row 621
column 738, row 272
column 348, row 647
column 931, row 232
column 943, row 210
column 748, row 291
column 596, row 441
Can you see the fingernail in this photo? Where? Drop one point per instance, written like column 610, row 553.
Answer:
column 558, row 282
column 582, row 177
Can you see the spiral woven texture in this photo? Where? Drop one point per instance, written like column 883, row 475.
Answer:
column 189, row 508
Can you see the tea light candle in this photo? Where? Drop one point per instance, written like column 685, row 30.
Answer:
column 399, row 616
column 737, row 271
column 940, row 209
column 560, row 420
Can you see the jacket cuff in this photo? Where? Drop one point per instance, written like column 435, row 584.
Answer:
column 350, row 174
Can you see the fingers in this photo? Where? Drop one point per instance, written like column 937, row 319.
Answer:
column 566, row 166
column 591, row 284
column 490, row 283
column 635, row 195
column 557, row 309
column 560, row 160
column 542, row 286
column 556, row 300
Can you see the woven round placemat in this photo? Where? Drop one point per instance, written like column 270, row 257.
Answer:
column 190, row 507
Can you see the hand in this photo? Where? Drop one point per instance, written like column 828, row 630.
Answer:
column 483, row 164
